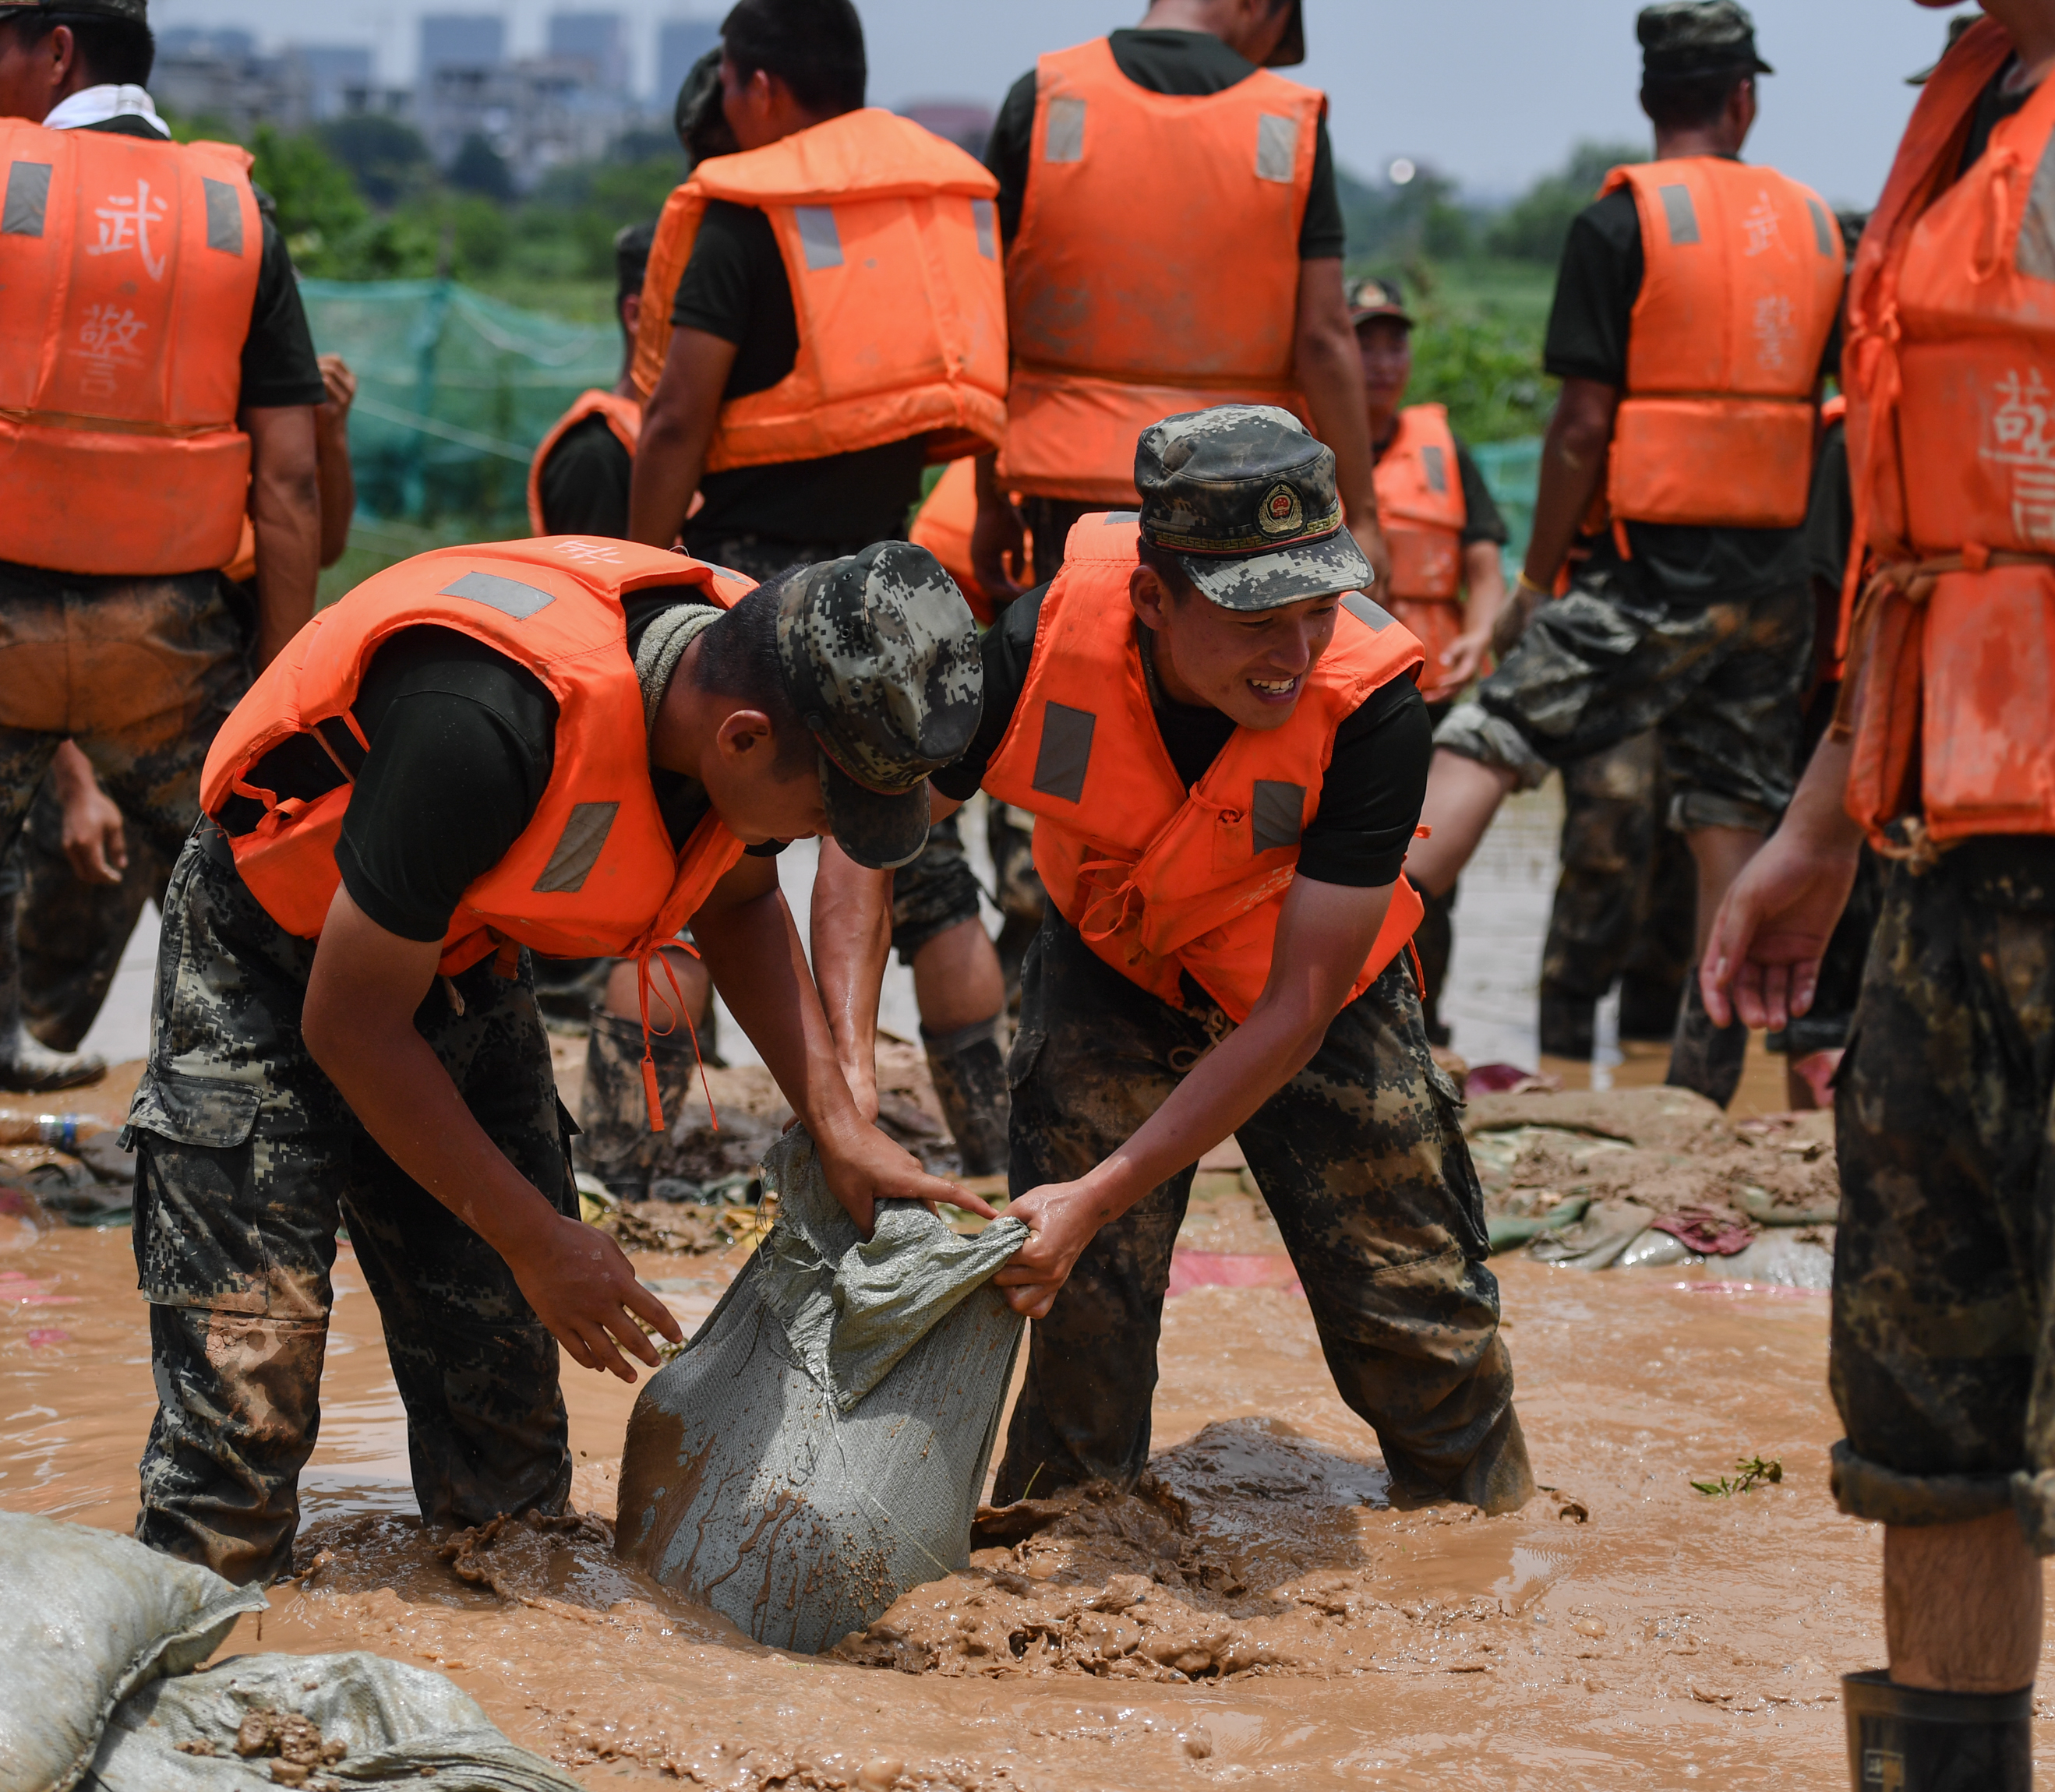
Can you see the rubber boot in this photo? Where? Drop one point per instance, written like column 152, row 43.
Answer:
column 27, row 1065
column 1434, row 940
column 1905, row 1738
column 616, row 1145
column 1703, row 1056
column 969, row 1071
column 1569, row 1024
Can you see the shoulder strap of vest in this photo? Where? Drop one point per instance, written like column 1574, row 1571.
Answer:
column 871, row 152
column 1104, row 535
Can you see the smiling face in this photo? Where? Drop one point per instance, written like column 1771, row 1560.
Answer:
column 1251, row 665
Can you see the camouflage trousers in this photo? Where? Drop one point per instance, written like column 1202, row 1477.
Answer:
column 248, row 1159
column 938, row 890
column 1362, row 1160
column 1720, row 682
column 1943, row 1357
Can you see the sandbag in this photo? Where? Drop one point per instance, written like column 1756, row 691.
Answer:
column 373, row 1721
column 820, row 1447
column 86, row 1617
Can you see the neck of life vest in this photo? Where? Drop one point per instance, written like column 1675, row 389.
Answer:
column 624, row 419
column 595, row 873
column 1950, row 372
column 1160, row 881
column 1742, row 283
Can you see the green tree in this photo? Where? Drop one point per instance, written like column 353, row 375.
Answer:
column 320, row 212
column 481, row 169
column 1535, row 226
column 389, row 161
column 1489, row 374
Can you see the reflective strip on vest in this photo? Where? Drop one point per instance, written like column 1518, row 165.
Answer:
column 28, row 198
column 509, row 595
column 1276, row 813
column 1065, row 754
column 578, row 847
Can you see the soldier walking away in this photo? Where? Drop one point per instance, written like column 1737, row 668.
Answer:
column 1691, row 614
column 1134, row 172
column 427, row 787
column 1224, row 749
column 1943, row 758
column 182, row 403
column 764, row 395
column 1445, row 534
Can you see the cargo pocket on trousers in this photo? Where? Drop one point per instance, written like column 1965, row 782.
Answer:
column 191, row 1110
column 1458, row 1171
column 198, row 1233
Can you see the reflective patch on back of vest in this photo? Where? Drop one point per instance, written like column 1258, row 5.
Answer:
column 1065, row 753
column 508, row 596
column 2035, row 256
column 1278, row 812
column 819, row 241
column 1823, row 231
column 224, row 217
column 1276, row 148
column 28, row 200
column 985, row 216
column 1063, row 136
column 1113, row 517
column 1369, row 615
column 578, row 848
column 1681, row 214
column 1436, row 465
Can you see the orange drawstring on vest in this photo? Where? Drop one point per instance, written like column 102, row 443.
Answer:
column 650, row 1036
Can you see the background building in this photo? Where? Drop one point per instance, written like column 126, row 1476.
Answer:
column 600, row 40
column 680, row 43
column 461, row 41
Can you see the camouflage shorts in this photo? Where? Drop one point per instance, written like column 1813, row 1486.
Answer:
column 1944, row 1363
column 1361, row 1160
column 248, row 1159
column 1720, row 682
column 938, row 890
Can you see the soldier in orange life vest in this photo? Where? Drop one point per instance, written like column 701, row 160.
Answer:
column 825, row 317
column 159, row 387
column 1943, row 757
column 1445, row 534
column 1693, row 316
column 554, row 746
column 1173, row 240
column 1224, row 747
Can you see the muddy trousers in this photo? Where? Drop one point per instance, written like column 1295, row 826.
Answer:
column 1362, row 1160
column 247, row 1162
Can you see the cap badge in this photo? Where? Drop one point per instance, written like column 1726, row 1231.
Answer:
column 1280, row 512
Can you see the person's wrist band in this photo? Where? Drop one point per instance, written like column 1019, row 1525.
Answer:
column 1523, row 583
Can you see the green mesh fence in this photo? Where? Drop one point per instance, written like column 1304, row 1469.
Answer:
column 454, row 392
column 1512, row 472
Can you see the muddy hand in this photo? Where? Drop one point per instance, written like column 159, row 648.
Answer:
column 1762, row 957
column 868, row 1168
column 1061, row 1220
column 586, row 1291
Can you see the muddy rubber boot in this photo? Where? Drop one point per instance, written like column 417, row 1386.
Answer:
column 969, row 1071
column 27, row 1065
column 1703, row 1056
column 616, row 1145
column 1569, row 1025
column 1905, row 1738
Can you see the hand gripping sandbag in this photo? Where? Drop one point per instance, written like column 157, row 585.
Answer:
column 821, row 1446
column 86, row 1617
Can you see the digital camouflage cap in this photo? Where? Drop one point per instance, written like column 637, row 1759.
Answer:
column 1246, row 500
column 137, row 11
column 1691, row 40
column 879, row 652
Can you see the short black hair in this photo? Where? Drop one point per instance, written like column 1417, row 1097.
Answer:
column 1691, row 105
column 815, row 46
column 738, row 658
column 120, row 51
column 1168, row 567
column 631, row 244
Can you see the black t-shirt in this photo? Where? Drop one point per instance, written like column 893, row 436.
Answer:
column 1481, row 520
column 1589, row 324
column 1370, row 800
column 735, row 286
column 1181, row 62
column 463, row 740
column 585, row 483
column 1830, row 523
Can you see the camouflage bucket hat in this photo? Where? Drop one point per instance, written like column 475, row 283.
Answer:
column 1686, row 40
column 1246, row 498
column 880, row 654
column 136, row 11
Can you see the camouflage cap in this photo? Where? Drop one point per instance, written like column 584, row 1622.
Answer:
column 880, row 654
column 1688, row 40
column 1291, row 50
column 1246, row 498
column 136, row 10
column 1372, row 299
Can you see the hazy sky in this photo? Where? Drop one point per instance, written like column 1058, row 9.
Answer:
column 1492, row 91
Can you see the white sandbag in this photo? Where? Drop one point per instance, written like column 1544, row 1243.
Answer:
column 86, row 1617
column 374, row 1722
column 821, row 1446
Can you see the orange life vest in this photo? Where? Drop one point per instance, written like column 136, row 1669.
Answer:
column 595, row 873
column 891, row 239
column 624, row 417
column 1950, row 372
column 943, row 527
column 1743, row 282
column 127, row 270
column 1420, row 503
column 1156, row 267
column 1158, row 880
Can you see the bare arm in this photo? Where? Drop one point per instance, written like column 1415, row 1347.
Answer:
column 285, row 511
column 998, row 542
column 753, row 951
column 359, row 1024
column 1330, row 375
column 852, row 938
column 1483, row 576
column 94, row 840
column 1573, row 467
column 678, row 429
column 1324, row 937
column 338, row 478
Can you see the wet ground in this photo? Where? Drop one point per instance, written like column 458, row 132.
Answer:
column 1262, row 1616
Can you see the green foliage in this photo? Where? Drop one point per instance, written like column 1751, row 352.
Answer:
column 481, row 169
column 388, row 160
column 1487, row 370
column 320, row 210
column 1749, row 1474
column 1535, row 226
column 1426, row 216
